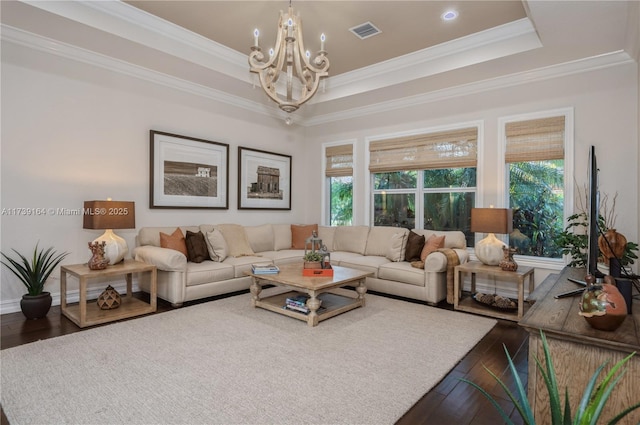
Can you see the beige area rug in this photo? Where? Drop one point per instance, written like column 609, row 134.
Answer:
column 224, row 362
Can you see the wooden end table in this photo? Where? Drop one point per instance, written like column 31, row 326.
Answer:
column 470, row 305
column 86, row 313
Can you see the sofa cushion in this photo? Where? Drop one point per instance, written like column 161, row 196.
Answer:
column 284, row 256
column 402, row 272
column 432, row 244
column 217, row 246
column 368, row 263
column 415, row 243
column 397, row 247
column 326, row 233
column 207, row 272
column 380, row 238
column 197, row 250
column 260, row 237
column 174, row 241
column 242, row 265
column 236, row 239
column 351, row 239
column 282, row 236
column 300, row 233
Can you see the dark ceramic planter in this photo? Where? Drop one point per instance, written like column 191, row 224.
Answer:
column 36, row 306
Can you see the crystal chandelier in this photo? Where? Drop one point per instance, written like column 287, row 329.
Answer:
column 290, row 77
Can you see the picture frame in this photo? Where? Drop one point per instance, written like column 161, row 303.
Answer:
column 187, row 172
column 264, row 180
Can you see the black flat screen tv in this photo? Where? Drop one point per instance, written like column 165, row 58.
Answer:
column 593, row 203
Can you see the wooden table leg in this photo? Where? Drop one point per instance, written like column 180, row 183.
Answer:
column 314, row 304
column 520, row 297
column 361, row 289
column 63, row 290
column 255, row 289
column 83, row 301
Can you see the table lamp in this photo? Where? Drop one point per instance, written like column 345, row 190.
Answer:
column 108, row 215
column 491, row 220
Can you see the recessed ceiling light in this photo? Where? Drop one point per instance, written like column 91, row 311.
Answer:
column 449, row 15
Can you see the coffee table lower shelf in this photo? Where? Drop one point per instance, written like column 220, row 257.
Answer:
column 468, row 304
column 332, row 305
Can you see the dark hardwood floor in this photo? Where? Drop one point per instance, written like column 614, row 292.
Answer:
column 451, row 402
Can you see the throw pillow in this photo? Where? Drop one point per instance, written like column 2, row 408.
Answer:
column 432, row 244
column 217, row 246
column 415, row 244
column 395, row 252
column 236, row 239
column 197, row 250
column 300, row 233
column 174, row 241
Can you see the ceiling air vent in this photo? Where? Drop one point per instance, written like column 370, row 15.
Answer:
column 365, row 30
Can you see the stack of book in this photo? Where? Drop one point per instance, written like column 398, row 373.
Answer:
column 297, row 303
column 264, row 269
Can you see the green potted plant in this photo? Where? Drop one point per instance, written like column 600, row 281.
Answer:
column 33, row 273
column 591, row 404
column 312, row 260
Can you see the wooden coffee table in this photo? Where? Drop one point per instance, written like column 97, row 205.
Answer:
column 325, row 292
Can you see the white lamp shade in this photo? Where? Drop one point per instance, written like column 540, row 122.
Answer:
column 116, row 247
column 489, row 250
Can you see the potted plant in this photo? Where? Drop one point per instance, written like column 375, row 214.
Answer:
column 591, row 404
column 33, row 273
column 312, row 260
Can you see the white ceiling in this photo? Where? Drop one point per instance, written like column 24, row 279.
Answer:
column 202, row 46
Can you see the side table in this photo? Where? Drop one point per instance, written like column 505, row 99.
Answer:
column 472, row 306
column 86, row 313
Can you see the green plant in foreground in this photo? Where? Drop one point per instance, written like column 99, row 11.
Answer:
column 34, row 274
column 591, row 404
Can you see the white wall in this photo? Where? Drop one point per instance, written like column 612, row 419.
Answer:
column 72, row 132
column 605, row 104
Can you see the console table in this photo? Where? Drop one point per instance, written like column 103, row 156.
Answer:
column 88, row 313
column 578, row 350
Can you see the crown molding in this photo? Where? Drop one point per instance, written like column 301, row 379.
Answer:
column 68, row 51
column 44, row 44
column 594, row 63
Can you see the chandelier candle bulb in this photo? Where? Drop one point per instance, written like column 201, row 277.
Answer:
column 322, row 39
column 256, row 34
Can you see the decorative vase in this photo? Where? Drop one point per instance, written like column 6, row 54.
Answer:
column 603, row 306
column 508, row 263
column 612, row 244
column 109, row 299
column 98, row 261
column 36, row 306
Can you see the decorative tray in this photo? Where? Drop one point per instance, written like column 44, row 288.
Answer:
column 495, row 301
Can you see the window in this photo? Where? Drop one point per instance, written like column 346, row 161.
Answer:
column 339, row 174
column 425, row 181
column 535, row 164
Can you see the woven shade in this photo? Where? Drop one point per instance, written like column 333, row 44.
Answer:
column 109, row 215
column 535, row 140
column 339, row 161
column 492, row 220
column 446, row 149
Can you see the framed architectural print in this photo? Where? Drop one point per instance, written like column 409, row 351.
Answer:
column 264, row 180
column 187, row 172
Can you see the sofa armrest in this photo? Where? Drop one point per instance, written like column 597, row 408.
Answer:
column 163, row 258
column 437, row 261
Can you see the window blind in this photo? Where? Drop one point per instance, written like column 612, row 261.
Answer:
column 339, row 161
column 445, row 149
column 535, row 140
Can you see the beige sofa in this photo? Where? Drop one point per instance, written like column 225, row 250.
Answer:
column 375, row 249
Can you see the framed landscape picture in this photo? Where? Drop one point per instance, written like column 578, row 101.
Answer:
column 187, row 172
column 264, row 180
